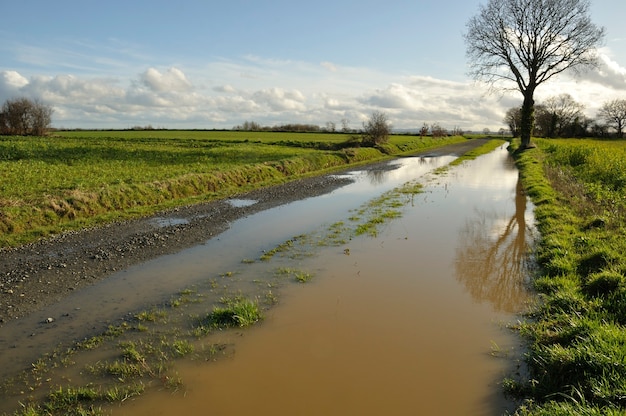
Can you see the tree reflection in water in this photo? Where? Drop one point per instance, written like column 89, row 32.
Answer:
column 493, row 257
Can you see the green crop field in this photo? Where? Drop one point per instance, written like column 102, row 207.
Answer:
column 71, row 180
column 208, row 135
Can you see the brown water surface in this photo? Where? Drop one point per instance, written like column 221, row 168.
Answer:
column 412, row 321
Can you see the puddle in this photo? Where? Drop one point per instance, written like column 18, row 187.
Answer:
column 399, row 323
column 242, row 203
column 163, row 222
column 91, row 310
column 412, row 321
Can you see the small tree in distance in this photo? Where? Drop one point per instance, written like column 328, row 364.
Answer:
column 614, row 114
column 376, row 130
column 25, row 117
column 437, row 131
column 345, row 125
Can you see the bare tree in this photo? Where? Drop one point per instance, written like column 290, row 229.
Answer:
column 559, row 116
column 437, row 131
column 614, row 114
column 599, row 130
column 513, row 119
column 345, row 125
column 527, row 42
column 23, row 116
column 41, row 118
column 376, row 130
column 249, row 126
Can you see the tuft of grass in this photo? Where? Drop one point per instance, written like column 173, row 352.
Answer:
column 298, row 275
column 236, row 312
column 303, row 277
column 151, row 315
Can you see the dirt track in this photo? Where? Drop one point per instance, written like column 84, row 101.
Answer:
column 42, row 273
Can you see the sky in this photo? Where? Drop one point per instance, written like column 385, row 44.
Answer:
column 216, row 64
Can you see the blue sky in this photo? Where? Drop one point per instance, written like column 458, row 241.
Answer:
column 210, row 64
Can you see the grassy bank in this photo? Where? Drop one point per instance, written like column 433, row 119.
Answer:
column 576, row 334
column 79, row 179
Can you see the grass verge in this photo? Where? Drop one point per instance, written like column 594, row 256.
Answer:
column 576, row 336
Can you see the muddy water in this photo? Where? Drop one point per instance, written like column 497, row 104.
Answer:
column 91, row 310
column 411, row 321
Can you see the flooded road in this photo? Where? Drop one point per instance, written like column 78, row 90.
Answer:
column 410, row 319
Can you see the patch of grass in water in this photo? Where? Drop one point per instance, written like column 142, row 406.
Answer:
column 236, row 312
column 298, row 275
column 80, row 401
column 281, row 248
column 151, row 315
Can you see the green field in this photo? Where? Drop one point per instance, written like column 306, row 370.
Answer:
column 204, row 135
column 576, row 333
column 75, row 179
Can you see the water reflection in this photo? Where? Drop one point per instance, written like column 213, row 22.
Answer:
column 381, row 176
column 163, row 222
column 92, row 309
column 492, row 255
column 241, row 203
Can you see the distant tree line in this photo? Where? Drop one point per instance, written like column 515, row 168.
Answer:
column 330, row 127
column 562, row 116
column 25, row 117
column 292, row 127
column 436, row 130
column 375, row 131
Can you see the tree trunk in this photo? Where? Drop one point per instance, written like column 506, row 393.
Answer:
column 528, row 119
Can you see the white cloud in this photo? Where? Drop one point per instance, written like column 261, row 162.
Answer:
column 10, row 83
column 392, row 97
column 174, row 80
column 609, row 73
column 13, row 79
column 329, row 66
column 235, row 105
column 278, row 99
column 225, row 88
column 169, row 98
column 69, row 89
column 418, row 99
column 332, row 103
column 216, row 95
